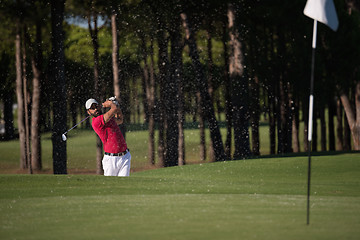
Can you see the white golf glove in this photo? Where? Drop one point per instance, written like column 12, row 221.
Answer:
column 113, row 99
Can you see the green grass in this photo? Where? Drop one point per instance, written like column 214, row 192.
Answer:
column 249, row 199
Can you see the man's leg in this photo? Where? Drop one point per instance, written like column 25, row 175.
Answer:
column 124, row 163
column 109, row 166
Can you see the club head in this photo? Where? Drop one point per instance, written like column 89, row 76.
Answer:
column 64, row 137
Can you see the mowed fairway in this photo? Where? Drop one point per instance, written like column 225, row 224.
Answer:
column 252, row 199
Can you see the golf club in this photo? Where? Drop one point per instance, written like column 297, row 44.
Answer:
column 64, row 138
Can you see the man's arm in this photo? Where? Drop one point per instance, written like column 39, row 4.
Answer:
column 111, row 113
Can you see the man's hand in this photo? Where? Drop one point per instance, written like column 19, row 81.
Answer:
column 107, row 104
column 113, row 99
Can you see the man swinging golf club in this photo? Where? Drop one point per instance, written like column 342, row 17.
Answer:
column 117, row 158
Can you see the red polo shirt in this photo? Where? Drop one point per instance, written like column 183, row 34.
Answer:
column 110, row 134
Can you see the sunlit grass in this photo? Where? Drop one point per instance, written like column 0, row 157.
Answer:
column 252, row 199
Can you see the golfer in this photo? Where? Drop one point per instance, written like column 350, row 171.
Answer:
column 117, row 158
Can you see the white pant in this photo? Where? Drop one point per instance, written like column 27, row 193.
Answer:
column 117, row 166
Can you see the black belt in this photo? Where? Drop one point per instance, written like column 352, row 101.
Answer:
column 118, row 154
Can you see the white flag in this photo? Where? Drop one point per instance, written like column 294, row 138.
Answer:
column 322, row 11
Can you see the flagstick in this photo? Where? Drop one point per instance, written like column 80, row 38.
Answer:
column 311, row 105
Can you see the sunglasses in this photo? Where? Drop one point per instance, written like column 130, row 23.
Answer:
column 93, row 106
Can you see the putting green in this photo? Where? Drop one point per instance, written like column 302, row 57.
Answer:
column 253, row 199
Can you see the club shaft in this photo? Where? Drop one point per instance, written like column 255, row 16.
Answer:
column 77, row 124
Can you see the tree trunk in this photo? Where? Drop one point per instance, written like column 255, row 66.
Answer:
column 59, row 105
column 35, row 111
column 295, row 127
column 280, row 114
column 289, row 117
column 45, row 103
column 305, row 109
column 144, row 78
column 201, row 128
column 315, row 131
column 151, row 106
column 162, row 126
column 115, row 65
column 150, row 97
column 347, row 135
column 255, row 116
column 26, row 104
column 202, row 86
column 181, row 120
column 272, row 102
column 322, row 128
column 172, row 97
column 97, row 86
column 228, row 104
column 353, row 117
column 239, row 86
column 331, row 133
column 339, row 127
column 7, row 96
column 272, row 123
column 115, row 53
column 283, row 119
column 163, row 65
column 20, row 99
column 210, row 80
column 177, row 71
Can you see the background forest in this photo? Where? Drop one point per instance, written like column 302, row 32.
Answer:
column 179, row 63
